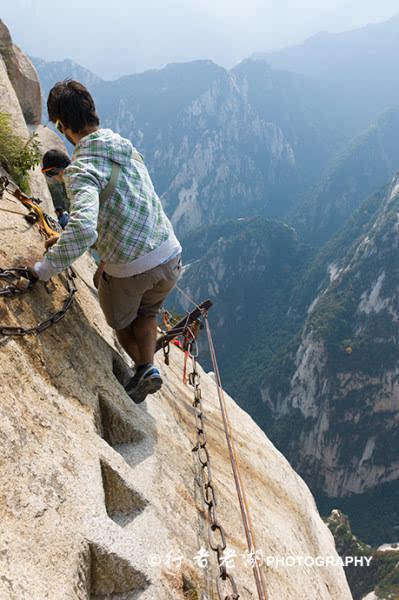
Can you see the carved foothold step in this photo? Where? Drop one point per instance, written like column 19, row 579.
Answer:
column 114, row 427
column 113, row 577
column 121, row 370
column 123, row 503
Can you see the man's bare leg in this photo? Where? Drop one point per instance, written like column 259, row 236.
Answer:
column 145, row 335
column 139, row 339
column 129, row 344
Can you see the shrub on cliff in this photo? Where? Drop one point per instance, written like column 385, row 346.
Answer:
column 16, row 155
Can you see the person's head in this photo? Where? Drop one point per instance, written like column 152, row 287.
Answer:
column 59, row 211
column 53, row 164
column 71, row 107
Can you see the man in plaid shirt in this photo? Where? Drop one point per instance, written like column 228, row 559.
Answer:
column 113, row 204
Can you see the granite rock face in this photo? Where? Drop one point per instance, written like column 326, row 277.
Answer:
column 9, row 102
column 100, row 498
column 23, row 77
column 49, row 140
column 12, row 84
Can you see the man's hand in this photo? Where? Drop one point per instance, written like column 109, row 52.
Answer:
column 51, row 241
column 97, row 275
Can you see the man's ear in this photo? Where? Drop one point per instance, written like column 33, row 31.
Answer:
column 72, row 137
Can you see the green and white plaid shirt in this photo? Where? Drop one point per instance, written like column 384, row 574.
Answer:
column 130, row 229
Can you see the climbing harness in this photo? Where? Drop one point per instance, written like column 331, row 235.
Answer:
column 21, row 280
column 187, row 337
column 208, row 491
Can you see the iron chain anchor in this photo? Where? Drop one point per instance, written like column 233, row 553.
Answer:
column 21, row 280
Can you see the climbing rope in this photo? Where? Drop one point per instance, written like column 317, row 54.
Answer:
column 13, row 212
column 183, row 293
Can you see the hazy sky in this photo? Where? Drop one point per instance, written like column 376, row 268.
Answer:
column 120, row 37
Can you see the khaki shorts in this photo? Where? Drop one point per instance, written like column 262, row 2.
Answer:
column 122, row 299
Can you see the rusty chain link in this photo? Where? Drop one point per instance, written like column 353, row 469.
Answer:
column 166, row 351
column 12, row 276
column 215, row 529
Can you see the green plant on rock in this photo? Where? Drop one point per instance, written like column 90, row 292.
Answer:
column 17, row 156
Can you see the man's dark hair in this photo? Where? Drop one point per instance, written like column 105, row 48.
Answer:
column 59, row 210
column 57, row 159
column 71, row 103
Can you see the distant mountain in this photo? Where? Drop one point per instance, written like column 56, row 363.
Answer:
column 285, row 135
column 367, row 163
column 379, row 580
column 332, row 392
column 52, row 71
column 248, row 267
column 355, row 67
column 220, row 144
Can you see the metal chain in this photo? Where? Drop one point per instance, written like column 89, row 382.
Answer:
column 12, row 275
column 21, row 279
column 215, row 529
column 166, row 350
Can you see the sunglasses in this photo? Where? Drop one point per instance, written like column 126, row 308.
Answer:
column 51, row 171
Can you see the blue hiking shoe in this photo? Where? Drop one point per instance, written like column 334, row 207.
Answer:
column 147, row 380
